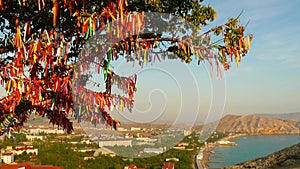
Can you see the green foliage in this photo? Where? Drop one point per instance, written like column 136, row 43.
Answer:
column 184, row 54
column 192, row 11
column 15, row 140
column 42, row 44
column 217, row 136
column 61, row 152
column 24, row 157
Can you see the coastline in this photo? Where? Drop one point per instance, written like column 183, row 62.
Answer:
column 211, row 146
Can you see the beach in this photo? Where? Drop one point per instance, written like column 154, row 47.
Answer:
column 211, row 146
column 206, row 155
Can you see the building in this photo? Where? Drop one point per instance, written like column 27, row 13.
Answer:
column 45, row 167
column 16, row 166
column 226, row 142
column 28, row 150
column 9, row 148
column 131, row 166
column 46, row 131
column 83, row 150
column 154, row 150
column 135, row 128
column 144, row 143
column 187, row 132
column 122, row 129
column 88, row 158
column 7, row 158
column 178, row 148
column 172, row 159
column 104, row 151
column 28, row 166
column 120, row 142
column 183, row 144
column 86, row 142
column 32, row 137
column 168, row 165
column 147, row 139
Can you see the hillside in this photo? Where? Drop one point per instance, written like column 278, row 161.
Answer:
column 283, row 116
column 253, row 124
column 257, row 125
column 285, row 158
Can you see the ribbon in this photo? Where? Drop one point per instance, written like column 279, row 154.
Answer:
column 109, row 56
column 18, row 39
column 1, row 5
column 55, row 12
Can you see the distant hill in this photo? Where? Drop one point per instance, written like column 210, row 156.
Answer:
column 257, row 125
column 254, row 124
column 283, row 116
column 283, row 159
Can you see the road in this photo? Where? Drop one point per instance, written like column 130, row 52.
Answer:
column 199, row 162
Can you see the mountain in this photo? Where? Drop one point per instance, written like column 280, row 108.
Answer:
column 253, row 124
column 285, row 158
column 283, row 116
column 257, row 125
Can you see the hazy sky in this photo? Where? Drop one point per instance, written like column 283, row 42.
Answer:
column 267, row 80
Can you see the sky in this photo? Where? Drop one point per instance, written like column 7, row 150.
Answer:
column 267, row 80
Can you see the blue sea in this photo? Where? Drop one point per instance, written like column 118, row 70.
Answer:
column 250, row 147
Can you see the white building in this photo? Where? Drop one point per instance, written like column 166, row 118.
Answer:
column 147, row 139
column 46, row 131
column 120, row 142
column 135, row 128
column 87, row 142
column 226, row 142
column 83, row 150
column 32, row 137
column 122, row 129
column 178, row 148
column 187, row 132
column 7, row 158
column 154, row 150
column 172, row 159
column 144, row 143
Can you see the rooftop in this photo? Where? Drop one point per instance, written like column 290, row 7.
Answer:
column 26, row 165
column 6, row 154
column 168, row 165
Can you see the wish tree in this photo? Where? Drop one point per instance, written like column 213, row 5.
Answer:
column 48, row 49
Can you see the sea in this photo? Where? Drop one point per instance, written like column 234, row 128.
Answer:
column 250, row 147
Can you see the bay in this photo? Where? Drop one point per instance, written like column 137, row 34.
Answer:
column 250, row 147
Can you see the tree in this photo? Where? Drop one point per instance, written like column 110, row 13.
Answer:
column 43, row 42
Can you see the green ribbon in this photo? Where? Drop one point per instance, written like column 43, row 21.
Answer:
column 109, row 56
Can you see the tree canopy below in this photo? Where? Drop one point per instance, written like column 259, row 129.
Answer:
column 48, row 49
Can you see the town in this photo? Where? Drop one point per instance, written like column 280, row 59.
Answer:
column 131, row 147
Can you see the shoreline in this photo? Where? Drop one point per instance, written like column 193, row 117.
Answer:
column 211, row 146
